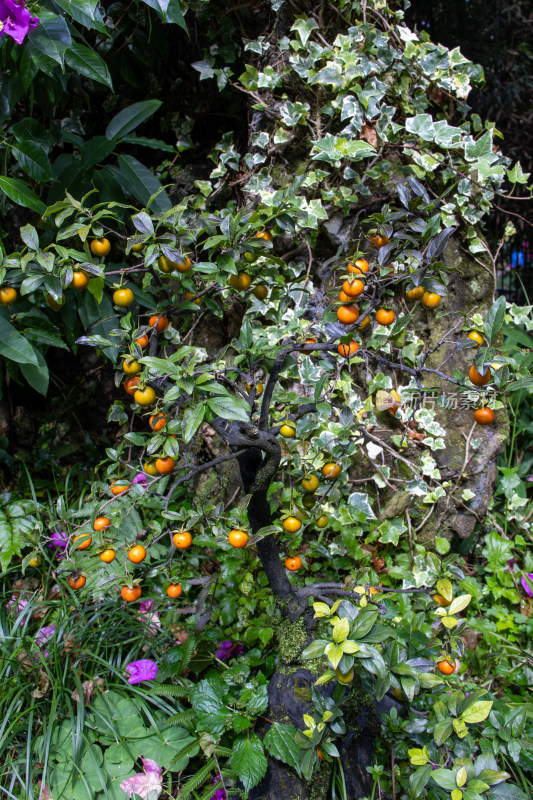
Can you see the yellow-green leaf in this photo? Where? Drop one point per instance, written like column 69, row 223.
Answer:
column 456, row 794
column 321, row 610
column 459, row 604
column 309, row 721
column 341, row 630
column 444, row 588
column 359, row 589
column 417, row 757
column 460, row 728
column 350, row 646
column 326, row 715
column 449, row 622
column 334, row 654
column 461, row 777
column 477, row 712
column 325, row 678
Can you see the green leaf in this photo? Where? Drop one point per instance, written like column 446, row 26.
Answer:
column 444, row 778
column 130, row 118
column 37, row 376
column 304, row 28
column 364, row 622
column 88, row 63
column 85, row 12
column 33, row 160
column 96, row 150
column 51, row 38
column 494, row 319
column 231, row 408
column 443, row 731
column 21, row 194
column 517, row 175
column 456, row 794
column 248, row 760
column 140, row 182
column 315, row 649
column 280, row 743
column 209, row 708
column 14, row 346
column 419, row 779
column 191, row 422
column 16, row 526
column 477, row 712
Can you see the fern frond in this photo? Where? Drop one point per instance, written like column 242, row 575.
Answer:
column 166, row 690
column 197, row 780
column 187, row 649
column 223, row 752
column 185, row 718
column 184, row 752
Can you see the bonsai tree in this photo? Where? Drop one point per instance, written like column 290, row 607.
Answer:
column 310, row 372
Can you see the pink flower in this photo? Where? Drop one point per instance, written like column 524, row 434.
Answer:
column 140, row 478
column 16, row 605
column 150, row 617
column 148, row 781
column 15, row 20
column 143, row 670
column 44, row 634
column 58, row 539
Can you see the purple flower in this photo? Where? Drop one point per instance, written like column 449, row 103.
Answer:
column 143, row 670
column 59, row 539
column 140, row 478
column 15, row 20
column 227, row 650
column 220, row 794
column 524, row 583
column 145, row 782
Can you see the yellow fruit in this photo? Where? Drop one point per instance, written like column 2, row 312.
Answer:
column 240, row 281
column 310, row 483
column 288, row 430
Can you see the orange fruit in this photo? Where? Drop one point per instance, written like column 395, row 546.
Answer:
column 80, row 279
column 101, row 523
column 293, row 564
column 359, row 266
column 100, row 247
column 157, row 421
column 86, row 541
column 348, row 350
column 431, row 300
column 347, row 314
column 237, row 538
column 8, row 295
column 477, row 378
column 182, row 540
column 353, row 288
column 130, row 593
column 77, row 582
column 165, row 465
column 108, row 555
column 446, row 667
column 385, row 316
column 159, row 321
column 331, row 470
column 119, row 489
column 484, row 416
column 174, row 590
column 130, row 385
column 137, row 554
column 416, row 293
